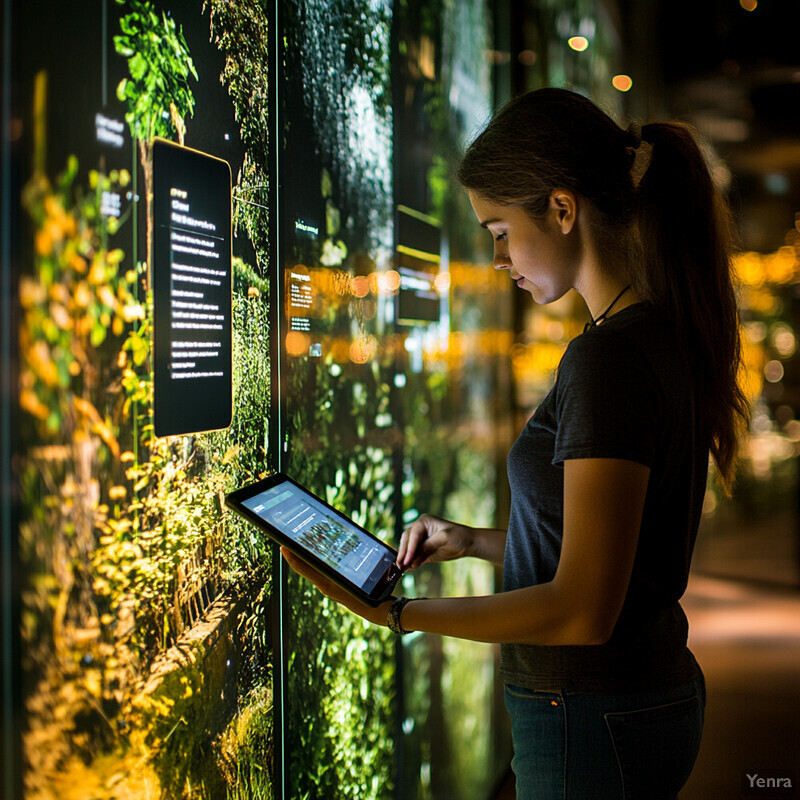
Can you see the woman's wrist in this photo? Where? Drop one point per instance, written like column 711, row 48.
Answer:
column 380, row 615
column 393, row 617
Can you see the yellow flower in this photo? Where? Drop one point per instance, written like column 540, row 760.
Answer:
column 43, row 242
column 97, row 274
column 60, row 316
column 31, row 292
column 31, row 403
column 107, row 296
column 78, row 263
column 42, row 364
column 132, row 311
column 82, row 295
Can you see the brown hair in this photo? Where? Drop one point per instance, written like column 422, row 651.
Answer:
column 671, row 233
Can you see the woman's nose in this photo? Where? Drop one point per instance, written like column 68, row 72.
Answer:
column 501, row 260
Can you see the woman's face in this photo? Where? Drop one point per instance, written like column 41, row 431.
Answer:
column 540, row 258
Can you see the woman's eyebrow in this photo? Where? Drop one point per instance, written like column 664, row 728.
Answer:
column 487, row 222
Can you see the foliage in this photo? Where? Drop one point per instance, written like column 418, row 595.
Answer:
column 157, row 92
column 341, row 696
column 241, row 31
column 341, row 679
column 74, row 308
column 245, row 749
column 171, row 723
column 117, row 540
column 166, row 533
column 77, row 296
column 160, row 66
column 345, row 91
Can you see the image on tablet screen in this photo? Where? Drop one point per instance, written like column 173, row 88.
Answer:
column 345, row 548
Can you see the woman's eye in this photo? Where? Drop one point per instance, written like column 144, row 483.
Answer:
column 500, row 236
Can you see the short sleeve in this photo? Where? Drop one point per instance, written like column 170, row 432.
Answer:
column 607, row 400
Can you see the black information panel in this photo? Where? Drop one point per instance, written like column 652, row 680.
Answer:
column 192, row 291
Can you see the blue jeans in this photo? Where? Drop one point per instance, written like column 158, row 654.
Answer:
column 638, row 746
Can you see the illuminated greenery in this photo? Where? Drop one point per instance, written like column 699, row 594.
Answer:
column 117, row 553
column 246, row 749
column 156, row 91
column 241, row 31
column 124, row 539
column 160, row 66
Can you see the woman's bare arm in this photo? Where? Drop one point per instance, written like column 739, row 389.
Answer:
column 603, row 504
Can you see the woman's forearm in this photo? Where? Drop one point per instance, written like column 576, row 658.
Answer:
column 488, row 544
column 539, row 615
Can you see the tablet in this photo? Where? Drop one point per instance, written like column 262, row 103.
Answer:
column 350, row 556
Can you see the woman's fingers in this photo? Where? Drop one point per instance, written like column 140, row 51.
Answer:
column 410, row 541
column 402, row 548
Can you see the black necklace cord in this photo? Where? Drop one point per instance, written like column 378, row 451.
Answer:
column 592, row 322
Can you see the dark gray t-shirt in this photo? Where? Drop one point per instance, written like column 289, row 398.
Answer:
column 622, row 391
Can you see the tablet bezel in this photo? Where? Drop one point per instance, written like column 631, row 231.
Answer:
column 382, row 590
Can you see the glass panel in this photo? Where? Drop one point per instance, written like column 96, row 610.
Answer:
column 393, row 374
column 341, row 433
column 145, row 609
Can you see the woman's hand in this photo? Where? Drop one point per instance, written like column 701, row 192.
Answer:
column 430, row 539
column 377, row 616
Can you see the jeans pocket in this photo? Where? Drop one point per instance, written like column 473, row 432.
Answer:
column 656, row 747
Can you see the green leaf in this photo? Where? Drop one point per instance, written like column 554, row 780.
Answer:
column 138, row 66
column 97, row 335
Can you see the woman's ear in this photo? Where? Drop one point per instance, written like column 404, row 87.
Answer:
column 564, row 208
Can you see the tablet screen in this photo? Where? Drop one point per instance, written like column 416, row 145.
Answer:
column 348, row 550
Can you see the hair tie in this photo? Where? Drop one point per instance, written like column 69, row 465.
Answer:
column 634, row 134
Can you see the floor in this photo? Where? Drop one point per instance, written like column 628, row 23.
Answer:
column 747, row 640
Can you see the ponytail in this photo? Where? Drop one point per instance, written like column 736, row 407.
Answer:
column 684, row 232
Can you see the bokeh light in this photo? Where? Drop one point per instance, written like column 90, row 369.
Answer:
column 622, row 83
column 579, row 43
column 773, row 371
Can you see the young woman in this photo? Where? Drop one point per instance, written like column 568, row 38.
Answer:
column 608, row 476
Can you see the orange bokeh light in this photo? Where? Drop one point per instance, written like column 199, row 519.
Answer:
column 579, row 43
column 297, row 343
column 622, row 83
column 359, row 286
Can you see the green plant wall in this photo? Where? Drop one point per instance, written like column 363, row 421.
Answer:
column 146, row 618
